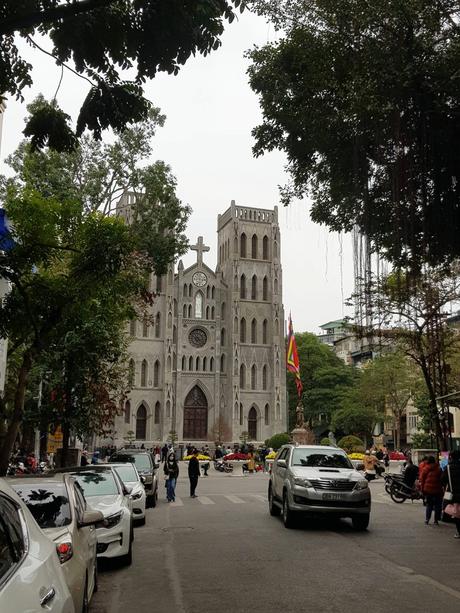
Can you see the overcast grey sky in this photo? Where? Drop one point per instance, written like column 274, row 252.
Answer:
column 207, row 140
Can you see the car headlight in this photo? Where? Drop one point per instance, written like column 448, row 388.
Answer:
column 361, row 485
column 303, row 482
column 136, row 496
column 112, row 520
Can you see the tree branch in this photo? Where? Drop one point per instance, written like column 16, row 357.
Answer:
column 63, row 11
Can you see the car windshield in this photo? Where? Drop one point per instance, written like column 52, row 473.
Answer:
column 320, row 458
column 48, row 503
column 97, row 483
column 140, row 460
column 127, row 473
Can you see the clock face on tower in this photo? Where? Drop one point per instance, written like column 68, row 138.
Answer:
column 199, row 279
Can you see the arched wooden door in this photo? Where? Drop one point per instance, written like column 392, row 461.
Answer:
column 252, row 424
column 195, row 415
column 141, row 423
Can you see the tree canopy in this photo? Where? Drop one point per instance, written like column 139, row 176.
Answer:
column 364, row 98
column 100, row 40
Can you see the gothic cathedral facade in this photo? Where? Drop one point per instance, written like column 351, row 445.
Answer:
column 213, row 364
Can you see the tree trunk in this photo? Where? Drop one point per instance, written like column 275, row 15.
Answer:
column 16, row 417
column 434, row 409
column 65, row 443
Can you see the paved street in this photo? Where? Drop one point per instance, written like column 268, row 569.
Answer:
column 223, row 552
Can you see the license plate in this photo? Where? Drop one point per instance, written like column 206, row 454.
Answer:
column 333, row 497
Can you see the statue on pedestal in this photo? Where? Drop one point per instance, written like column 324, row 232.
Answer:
column 302, row 434
column 299, row 416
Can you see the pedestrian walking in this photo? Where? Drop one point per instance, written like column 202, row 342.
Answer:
column 451, row 480
column 370, row 462
column 251, row 462
column 193, row 473
column 431, row 486
column 164, row 452
column 171, row 470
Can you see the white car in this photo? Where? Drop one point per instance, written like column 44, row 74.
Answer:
column 133, row 482
column 105, row 492
column 31, row 576
column 59, row 508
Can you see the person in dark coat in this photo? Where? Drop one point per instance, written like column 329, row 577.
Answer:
column 193, row 473
column 171, row 470
column 451, row 480
column 410, row 473
column 164, row 452
column 431, row 485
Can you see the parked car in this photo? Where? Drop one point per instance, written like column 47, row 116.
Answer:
column 105, row 492
column 317, row 480
column 131, row 479
column 31, row 576
column 59, row 508
column 146, row 468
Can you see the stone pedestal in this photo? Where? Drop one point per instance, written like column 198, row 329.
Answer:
column 303, row 436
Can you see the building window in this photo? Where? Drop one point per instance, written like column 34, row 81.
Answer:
column 190, row 363
column 252, row 424
column 241, row 414
column 127, row 412
column 222, row 363
column 157, row 412
column 254, row 288
column 185, row 292
column 211, row 365
column 204, row 364
column 144, row 372
column 199, row 305
column 242, row 376
column 265, row 289
column 158, row 325
column 213, row 292
column 197, row 364
column 184, row 363
column 189, row 290
column 222, row 310
column 207, row 312
column 189, row 310
column 222, row 337
column 264, row 332
column 243, row 287
column 235, row 325
column 174, row 334
column 265, row 248
column 184, row 310
column 267, row 415
column 132, row 373
column 264, row 377
column 145, row 329
column 156, row 374
column 141, row 423
column 243, row 245
column 254, row 377
column 213, row 313
column 208, row 289
column 254, row 246
column 254, row 331
column 243, row 330
column 132, row 327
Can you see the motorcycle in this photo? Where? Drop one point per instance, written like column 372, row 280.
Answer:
column 400, row 492
column 222, row 466
column 390, row 479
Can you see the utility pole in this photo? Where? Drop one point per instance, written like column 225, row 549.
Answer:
column 37, row 430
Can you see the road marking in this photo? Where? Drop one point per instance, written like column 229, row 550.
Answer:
column 259, row 497
column 235, row 499
column 205, row 500
column 177, row 503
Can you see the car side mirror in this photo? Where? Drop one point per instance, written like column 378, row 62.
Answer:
column 142, row 479
column 281, row 464
column 90, row 518
column 127, row 490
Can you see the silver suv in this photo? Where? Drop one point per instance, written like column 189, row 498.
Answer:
column 317, row 480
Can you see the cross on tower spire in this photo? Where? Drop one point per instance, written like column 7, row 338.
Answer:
column 200, row 247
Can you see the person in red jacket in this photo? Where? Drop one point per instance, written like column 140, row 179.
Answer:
column 431, row 485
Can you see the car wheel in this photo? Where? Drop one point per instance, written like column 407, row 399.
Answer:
column 288, row 515
column 85, row 604
column 360, row 522
column 140, row 522
column 273, row 509
column 127, row 560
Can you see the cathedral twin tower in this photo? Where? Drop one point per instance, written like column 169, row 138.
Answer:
column 213, row 364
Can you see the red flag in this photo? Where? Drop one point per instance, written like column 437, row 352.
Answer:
column 292, row 358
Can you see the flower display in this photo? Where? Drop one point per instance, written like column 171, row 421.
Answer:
column 356, row 456
column 271, row 455
column 236, row 456
column 200, row 456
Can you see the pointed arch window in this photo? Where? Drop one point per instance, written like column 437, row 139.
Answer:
column 127, row 412
column 222, row 337
column 208, row 289
column 207, row 312
column 132, row 327
column 243, row 287
column 158, row 325
column 222, row 363
column 265, row 248
column 254, row 287
column 190, row 363
column 265, row 332
column 145, row 329
column 156, row 374
column 243, row 330
column 213, row 313
column 184, row 363
column 211, row 365
column 157, row 412
column 254, row 377
column 241, row 414
column 189, row 290
column 242, row 376
column 132, row 373
column 189, row 310
column 254, row 247
column 235, row 325
column 141, row 423
column 213, row 292
column 264, row 377
column 222, row 310
column 144, row 373
column 267, row 415
column 243, row 245
column 252, row 424
column 265, row 289
column 197, row 364
column 185, row 291
column 205, row 365
column 254, row 331
column 199, row 305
